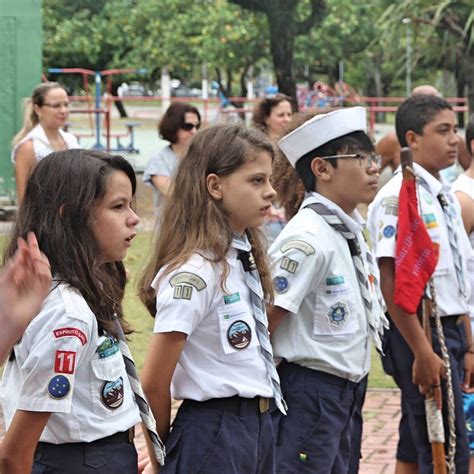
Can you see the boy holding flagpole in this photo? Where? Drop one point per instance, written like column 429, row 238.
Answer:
column 427, row 126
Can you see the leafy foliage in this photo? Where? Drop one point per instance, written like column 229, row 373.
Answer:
column 304, row 39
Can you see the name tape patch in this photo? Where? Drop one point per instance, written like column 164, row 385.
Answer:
column 304, row 247
column 70, row 332
column 233, row 298
column 189, row 279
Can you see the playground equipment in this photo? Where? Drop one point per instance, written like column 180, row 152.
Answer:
column 130, row 148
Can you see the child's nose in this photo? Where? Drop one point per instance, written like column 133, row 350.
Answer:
column 133, row 219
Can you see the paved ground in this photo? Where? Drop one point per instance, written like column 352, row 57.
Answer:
column 381, row 414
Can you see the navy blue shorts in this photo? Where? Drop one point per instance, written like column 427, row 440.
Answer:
column 221, row 436
column 413, row 445
column 115, row 454
column 323, row 429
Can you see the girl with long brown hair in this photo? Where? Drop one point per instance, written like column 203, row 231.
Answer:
column 207, row 284
column 67, row 391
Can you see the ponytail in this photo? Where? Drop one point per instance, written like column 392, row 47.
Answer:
column 30, row 120
column 30, row 117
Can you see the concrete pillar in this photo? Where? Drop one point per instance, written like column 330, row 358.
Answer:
column 20, row 63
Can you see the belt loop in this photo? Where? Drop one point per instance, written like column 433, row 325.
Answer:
column 242, row 408
column 131, row 434
column 264, row 404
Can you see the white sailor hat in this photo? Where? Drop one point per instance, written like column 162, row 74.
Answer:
column 322, row 129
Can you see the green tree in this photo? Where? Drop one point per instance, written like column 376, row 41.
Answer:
column 343, row 35
column 443, row 37
column 284, row 25
column 176, row 34
column 232, row 42
column 181, row 35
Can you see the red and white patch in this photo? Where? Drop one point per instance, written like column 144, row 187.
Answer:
column 65, row 362
column 70, row 332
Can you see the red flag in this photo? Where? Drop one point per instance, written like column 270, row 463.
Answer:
column 416, row 255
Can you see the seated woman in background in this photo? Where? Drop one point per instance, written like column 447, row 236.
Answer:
column 46, row 112
column 178, row 125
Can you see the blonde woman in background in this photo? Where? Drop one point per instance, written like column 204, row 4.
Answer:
column 46, row 112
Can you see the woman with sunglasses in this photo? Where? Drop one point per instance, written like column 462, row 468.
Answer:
column 178, row 125
column 46, row 112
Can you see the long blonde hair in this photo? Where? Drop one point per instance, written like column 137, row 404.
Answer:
column 30, row 117
column 192, row 220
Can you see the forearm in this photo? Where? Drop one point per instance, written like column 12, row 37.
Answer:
column 160, row 404
column 12, row 463
column 407, row 324
column 275, row 316
column 411, row 330
column 25, row 431
column 467, row 327
column 150, row 450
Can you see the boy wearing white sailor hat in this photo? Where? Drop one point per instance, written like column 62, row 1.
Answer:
column 327, row 306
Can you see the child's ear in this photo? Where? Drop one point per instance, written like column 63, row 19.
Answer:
column 213, row 183
column 412, row 139
column 320, row 169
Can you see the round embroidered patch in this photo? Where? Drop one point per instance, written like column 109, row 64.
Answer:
column 280, row 283
column 239, row 335
column 112, row 394
column 59, row 386
column 337, row 314
column 389, row 231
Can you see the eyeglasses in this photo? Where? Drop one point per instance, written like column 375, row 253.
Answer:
column 189, row 126
column 58, row 105
column 371, row 158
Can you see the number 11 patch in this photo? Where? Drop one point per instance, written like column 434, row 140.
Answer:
column 65, row 362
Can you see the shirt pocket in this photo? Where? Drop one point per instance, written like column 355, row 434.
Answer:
column 334, row 312
column 237, row 332
column 110, row 390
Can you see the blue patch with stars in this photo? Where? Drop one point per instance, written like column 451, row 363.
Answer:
column 280, row 283
column 59, row 386
column 389, row 231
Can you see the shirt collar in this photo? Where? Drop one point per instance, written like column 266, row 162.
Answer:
column 434, row 185
column 354, row 222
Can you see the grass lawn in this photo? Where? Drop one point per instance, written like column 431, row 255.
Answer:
column 142, row 322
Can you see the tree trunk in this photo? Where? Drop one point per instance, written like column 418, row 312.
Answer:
column 283, row 29
column 282, row 39
column 469, row 76
column 380, row 116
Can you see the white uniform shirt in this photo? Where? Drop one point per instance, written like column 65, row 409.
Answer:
column 60, row 368
column 326, row 328
column 465, row 184
column 221, row 356
column 41, row 145
column 382, row 225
